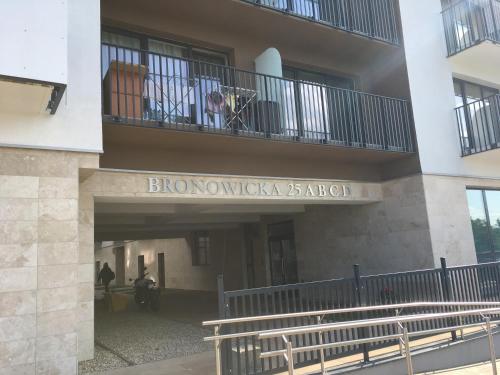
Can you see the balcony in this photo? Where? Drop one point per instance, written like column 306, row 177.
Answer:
column 479, row 125
column 375, row 19
column 145, row 89
column 469, row 23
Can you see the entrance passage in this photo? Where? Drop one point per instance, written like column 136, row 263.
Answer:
column 178, row 252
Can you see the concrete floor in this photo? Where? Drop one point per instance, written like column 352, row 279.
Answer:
column 484, row 368
column 135, row 337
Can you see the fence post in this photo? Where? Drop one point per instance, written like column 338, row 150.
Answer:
column 225, row 354
column 447, row 290
column 360, row 301
column 220, row 296
column 491, row 345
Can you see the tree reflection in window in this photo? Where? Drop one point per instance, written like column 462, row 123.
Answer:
column 484, row 209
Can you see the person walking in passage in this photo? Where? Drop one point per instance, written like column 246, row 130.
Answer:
column 106, row 276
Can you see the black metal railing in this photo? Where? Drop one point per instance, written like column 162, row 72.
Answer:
column 475, row 283
column 146, row 88
column 469, row 22
column 479, row 125
column 371, row 18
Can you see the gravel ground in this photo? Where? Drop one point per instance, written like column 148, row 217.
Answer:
column 141, row 337
column 103, row 361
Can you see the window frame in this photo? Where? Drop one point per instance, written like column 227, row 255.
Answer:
column 491, row 243
column 144, row 46
column 462, row 83
column 466, row 114
column 196, row 260
column 294, row 70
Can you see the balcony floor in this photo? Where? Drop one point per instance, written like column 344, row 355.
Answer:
column 142, row 148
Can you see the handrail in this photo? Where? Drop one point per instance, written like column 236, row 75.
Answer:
column 477, row 100
column 372, row 322
column 347, row 310
column 319, row 329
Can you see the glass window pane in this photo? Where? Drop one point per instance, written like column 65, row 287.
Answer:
column 122, row 49
column 479, row 223
column 121, row 40
column 209, row 57
column 162, row 48
column 459, row 100
column 320, row 78
column 493, row 202
column 472, row 92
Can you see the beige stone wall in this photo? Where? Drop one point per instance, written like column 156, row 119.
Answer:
column 45, row 284
column 449, row 218
column 389, row 236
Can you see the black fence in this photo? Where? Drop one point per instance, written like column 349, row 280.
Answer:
column 150, row 89
column 477, row 283
column 371, row 18
column 469, row 22
column 479, row 125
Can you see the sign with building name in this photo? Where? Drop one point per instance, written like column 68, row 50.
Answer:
column 248, row 187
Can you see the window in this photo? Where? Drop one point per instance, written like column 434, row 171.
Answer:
column 310, row 106
column 128, row 40
column 171, row 84
column 468, row 92
column 201, row 249
column 477, row 115
column 484, row 208
column 320, row 78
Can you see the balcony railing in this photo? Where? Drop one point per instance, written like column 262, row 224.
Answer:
column 150, row 89
column 370, row 18
column 479, row 125
column 469, row 22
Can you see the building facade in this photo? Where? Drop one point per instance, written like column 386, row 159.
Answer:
column 273, row 142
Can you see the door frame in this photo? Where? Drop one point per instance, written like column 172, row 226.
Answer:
column 286, row 236
column 161, row 270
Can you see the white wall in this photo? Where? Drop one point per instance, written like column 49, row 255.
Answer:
column 430, row 75
column 224, row 257
column 478, row 64
column 34, row 39
column 62, row 44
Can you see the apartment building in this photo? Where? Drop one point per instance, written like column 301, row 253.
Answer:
column 271, row 141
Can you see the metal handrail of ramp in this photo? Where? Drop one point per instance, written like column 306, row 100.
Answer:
column 485, row 311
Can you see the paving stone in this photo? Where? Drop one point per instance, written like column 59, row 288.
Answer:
column 142, row 337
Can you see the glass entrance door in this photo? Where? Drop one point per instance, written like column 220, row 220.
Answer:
column 282, row 254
